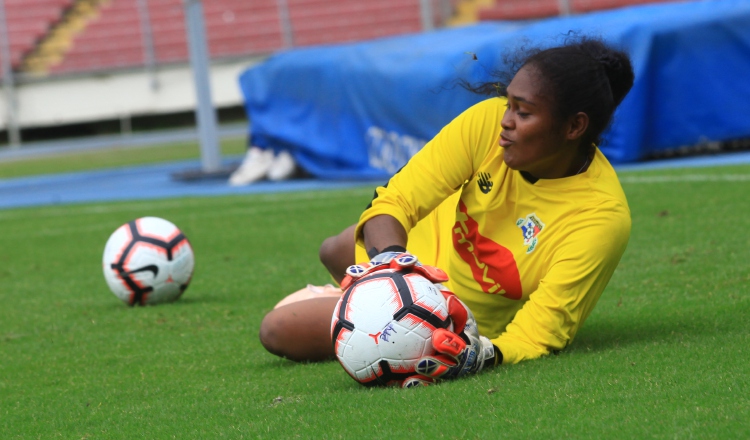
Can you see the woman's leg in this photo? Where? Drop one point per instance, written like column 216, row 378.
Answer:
column 299, row 327
column 300, row 331
column 311, row 292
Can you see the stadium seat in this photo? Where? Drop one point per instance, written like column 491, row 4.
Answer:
column 318, row 22
column 520, row 10
column 235, row 28
column 28, row 21
column 596, row 5
column 534, row 9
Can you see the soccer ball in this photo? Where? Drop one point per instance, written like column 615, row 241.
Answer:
column 148, row 261
column 383, row 325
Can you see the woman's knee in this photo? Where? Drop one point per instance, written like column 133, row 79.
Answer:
column 272, row 333
column 300, row 331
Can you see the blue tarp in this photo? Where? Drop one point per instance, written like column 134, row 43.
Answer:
column 361, row 110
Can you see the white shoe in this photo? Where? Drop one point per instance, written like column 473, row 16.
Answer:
column 255, row 166
column 283, row 167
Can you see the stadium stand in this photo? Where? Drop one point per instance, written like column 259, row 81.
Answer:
column 533, row 9
column 28, row 21
column 332, row 21
column 53, row 46
column 78, row 36
column 115, row 38
column 467, row 11
column 90, row 47
column 109, row 34
column 68, row 53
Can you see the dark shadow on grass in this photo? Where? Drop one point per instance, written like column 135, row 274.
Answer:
column 594, row 337
column 338, row 380
column 182, row 302
column 281, row 362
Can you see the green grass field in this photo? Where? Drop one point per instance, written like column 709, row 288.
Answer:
column 113, row 157
column 663, row 355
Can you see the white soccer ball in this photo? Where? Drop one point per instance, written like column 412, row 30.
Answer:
column 383, row 325
column 148, row 261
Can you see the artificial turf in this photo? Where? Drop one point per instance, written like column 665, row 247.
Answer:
column 663, row 355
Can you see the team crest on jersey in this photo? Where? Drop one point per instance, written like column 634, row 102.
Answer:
column 530, row 226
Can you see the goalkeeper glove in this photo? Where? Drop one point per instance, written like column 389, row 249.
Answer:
column 460, row 352
column 399, row 261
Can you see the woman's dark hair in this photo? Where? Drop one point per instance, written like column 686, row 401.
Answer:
column 583, row 75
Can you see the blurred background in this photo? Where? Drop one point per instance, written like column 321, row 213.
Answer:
column 86, row 67
column 113, row 69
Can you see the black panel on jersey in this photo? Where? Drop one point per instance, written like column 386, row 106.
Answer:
column 529, row 178
column 375, row 195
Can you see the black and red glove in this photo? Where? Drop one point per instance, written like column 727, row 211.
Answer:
column 398, row 261
column 461, row 351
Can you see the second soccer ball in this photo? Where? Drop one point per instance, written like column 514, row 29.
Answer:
column 148, row 261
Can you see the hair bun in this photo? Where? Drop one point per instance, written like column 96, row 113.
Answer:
column 616, row 66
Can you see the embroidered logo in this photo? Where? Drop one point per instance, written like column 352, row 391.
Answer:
column 484, row 182
column 530, row 226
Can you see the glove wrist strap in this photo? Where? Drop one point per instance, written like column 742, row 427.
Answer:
column 488, row 352
column 373, row 252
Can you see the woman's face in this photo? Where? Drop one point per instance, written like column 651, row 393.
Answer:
column 531, row 138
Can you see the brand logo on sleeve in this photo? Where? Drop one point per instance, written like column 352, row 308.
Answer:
column 530, row 226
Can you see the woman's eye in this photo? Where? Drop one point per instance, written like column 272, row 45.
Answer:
column 517, row 110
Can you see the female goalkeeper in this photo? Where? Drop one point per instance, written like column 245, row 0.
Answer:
column 513, row 200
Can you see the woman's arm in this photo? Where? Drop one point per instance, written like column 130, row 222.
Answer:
column 382, row 232
column 433, row 174
column 581, row 270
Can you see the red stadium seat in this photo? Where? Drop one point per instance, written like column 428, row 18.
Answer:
column 234, row 28
column 595, row 5
column 520, row 10
column 28, row 21
column 534, row 9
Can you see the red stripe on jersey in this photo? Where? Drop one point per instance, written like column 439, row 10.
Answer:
column 492, row 265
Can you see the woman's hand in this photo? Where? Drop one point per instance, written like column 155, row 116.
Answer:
column 400, row 261
column 461, row 351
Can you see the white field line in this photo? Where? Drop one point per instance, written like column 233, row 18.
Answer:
column 687, row 178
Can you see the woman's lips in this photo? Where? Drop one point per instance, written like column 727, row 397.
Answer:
column 505, row 142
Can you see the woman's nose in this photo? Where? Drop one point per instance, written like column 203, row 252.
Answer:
column 507, row 122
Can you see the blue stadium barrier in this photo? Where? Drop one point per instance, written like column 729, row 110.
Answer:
column 361, row 110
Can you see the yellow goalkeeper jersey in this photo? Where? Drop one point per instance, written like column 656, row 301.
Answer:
column 529, row 259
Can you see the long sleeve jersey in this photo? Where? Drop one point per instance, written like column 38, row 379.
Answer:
column 529, row 259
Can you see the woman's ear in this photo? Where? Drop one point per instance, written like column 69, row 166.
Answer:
column 577, row 126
